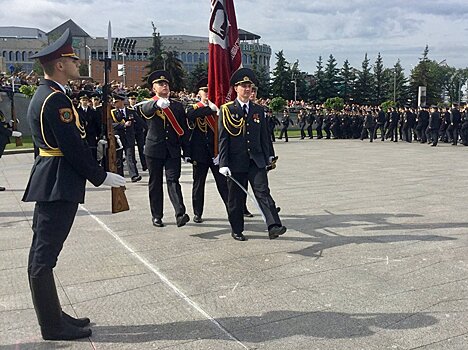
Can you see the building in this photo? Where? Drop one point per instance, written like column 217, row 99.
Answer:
column 18, row 43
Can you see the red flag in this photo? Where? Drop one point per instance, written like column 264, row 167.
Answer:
column 224, row 51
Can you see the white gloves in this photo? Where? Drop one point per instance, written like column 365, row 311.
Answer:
column 213, row 107
column 119, row 143
column 187, row 159
column 114, row 180
column 101, row 149
column 225, row 171
column 102, row 142
column 216, row 160
column 163, row 103
column 16, row 133
column 270, row 159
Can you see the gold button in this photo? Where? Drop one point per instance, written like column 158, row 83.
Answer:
column 248, row 132
column 248, row 141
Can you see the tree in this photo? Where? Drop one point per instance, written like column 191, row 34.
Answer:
column 281, row 76
column 263, row 77
column 334, row 104
column 318, row 90
column 424, row 74
column 200, row 72
column 330, row 78
column 175, row 68
column 155, row 54
column 364, row 84
column 378, row 91
column 346, row 81
column 277, row 104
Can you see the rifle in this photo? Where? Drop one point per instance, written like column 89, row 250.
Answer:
column 14, row 122
column 119, row 200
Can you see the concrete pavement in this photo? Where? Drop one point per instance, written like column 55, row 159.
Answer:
column 375, row 257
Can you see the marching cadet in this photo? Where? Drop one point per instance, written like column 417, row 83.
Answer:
column 123, row 119
column 302, row 122
column 57, row 184
column 434, row 125
column 369, row 126
column 380, row 125
column 5, row 133
column 244, row 153
column 139, row 124
column 203, row 121
column 455, row 119
column 167, row 136
column 285, row 121
column 91, row 120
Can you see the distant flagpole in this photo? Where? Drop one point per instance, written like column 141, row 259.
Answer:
column 224, row 51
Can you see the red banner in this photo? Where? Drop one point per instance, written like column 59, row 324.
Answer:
column 224, row 51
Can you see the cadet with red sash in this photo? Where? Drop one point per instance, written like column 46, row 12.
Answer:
column 203, row 121
column 57, row 184
column 167, row 136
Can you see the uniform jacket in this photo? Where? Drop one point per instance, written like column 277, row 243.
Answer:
column 434, row 121
column 5, row 133
column 252, row 142
column 55, row 126
column 92, row 123
column 202, row 138
column 162, row 141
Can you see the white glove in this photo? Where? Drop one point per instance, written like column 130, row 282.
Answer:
column 16, row 133
column 163, row 103
column 114, row 180
column 216, row 160
column 225, row 171
column 10, row 122
column 101, row 149
column 187, row 159
column 119, row 143
column 213, row 107
column 270, row 159
column 102, row 142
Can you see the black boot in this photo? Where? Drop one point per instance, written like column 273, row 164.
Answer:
column 49, row 312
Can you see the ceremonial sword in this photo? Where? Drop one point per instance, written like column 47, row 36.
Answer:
column 250, row 196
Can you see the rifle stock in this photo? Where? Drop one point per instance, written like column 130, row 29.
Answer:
column 119, row 199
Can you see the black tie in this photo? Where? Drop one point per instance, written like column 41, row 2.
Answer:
column 244, row 108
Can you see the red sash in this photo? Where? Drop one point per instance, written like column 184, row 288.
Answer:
column 172, row 119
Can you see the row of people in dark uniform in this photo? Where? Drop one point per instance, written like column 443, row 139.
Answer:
column 426, row 125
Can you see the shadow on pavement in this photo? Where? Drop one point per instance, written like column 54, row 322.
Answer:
column 258, row 329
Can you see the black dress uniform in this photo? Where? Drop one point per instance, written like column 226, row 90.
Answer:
column 164, row 142
column 91, row 119
column 204, row 150
column 245, row 148
column 140, row 132
column 5, row 133
column 434, row 125
column 57, row 185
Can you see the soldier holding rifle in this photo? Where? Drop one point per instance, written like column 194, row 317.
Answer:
column 57, row 184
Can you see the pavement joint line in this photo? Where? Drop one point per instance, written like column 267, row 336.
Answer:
column 163, row 278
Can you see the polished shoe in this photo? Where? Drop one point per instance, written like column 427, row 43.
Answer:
column 136, row 178
column 197, row 219
column 278, row 209
column 238, row 237
column 248, row 214
column 78, row 322
column 2, row 188
column 144, row 168
column 182, row 220
column 276, row 231
column 158, row 222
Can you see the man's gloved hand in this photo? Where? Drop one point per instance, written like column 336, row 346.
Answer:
column 102, row 142
column 163, row 103
column 16, row 133
column 100, row 149
column 216, row 160
column 187, row 160
column 225, row 171
column 213, row 107
column 270, row 159
column 10, row 122
column 119, row 143
column 114, row 180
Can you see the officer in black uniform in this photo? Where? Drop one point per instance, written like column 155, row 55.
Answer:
column 139, row 124
column 380, row 124
column 91, row 120
column 123, row 120
column 203, row 121
column 244, row 152
column 455, row 119
column 167, row 136
column 57, row 184
column 5, row 133
column 434, row 125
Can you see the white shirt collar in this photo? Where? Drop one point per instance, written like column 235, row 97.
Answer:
column 61, row 86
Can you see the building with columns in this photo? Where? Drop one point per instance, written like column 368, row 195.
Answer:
column 17, row 44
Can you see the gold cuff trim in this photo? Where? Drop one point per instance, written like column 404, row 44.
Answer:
column 50, row 152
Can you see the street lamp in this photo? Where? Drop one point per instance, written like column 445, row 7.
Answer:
column 394, row 85
column 89, row 61
column 164, row 57
column 124, row 73
column 295, row 89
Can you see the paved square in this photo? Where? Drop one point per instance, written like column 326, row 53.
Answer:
column 375, row 257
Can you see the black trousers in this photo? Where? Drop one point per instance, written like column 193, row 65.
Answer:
column 303, row 134
column 172, row 169
column 284, row 131
column 380, row 127
column 200, row 171
column 236, row 197
column 131, row 161
column 52, row 222
column 309, row 131
column 140, row 141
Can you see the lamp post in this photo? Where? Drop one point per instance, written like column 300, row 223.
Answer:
column 164, row 57
column 124, row 73
column 89, row 61
column 295, row 89
column 394, row 85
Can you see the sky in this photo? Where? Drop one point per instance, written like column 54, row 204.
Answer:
column 304, row 30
